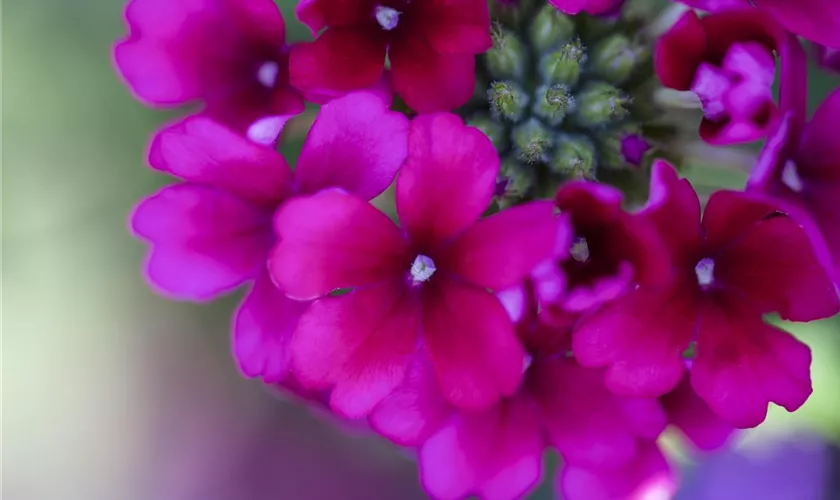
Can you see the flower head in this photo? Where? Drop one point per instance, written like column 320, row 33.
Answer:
column 229, row 55
column 730, row 270
column 727, row 60
column 213, row 232
column 425, row 286
column 431, row 46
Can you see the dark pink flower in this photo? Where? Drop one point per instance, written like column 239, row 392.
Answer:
column 592, row 7
column 497, row 453
column 213, row 232
column 728, row 60
column 425, row 286
column 610, row 250
column 695, row 420
column 431, row 46
column 802, row 170
column 231, row 55
column 816, row 20
column 745, row 259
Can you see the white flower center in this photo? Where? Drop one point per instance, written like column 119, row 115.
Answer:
column 387, row 17
column 705, row 270
column 267, row 74
column 580, row 250
column 422, row 268
column 790, row 177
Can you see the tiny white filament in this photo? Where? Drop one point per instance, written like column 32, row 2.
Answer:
column 705, row 270
column 267, row 74
column 387, row 17
column 790, row 177
column 422, row 268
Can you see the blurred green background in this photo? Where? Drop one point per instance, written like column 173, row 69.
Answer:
column 111, row 392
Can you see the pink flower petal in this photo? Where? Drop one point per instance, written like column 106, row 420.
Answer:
column 819, row 153
column 201, row 150
column 816, row 20
column 429, row 81
column 204, row 242
column 743, row 364
column 262, row 329
column 589, row 425
column 455, row 26
column 495, row 454
column 647, row 477
column 356, row 144
column 674, row 208
column 729, row 214
column 339, row 61
column 414, row 410
column 471, row 343
column 715, row 5
column 680, row 51
column 788, row 278
column 695, row 419
column 360, row 343
column 334, row 240
column 640, row 337
column 447, row 181
column 502, row 250
column 592, row 7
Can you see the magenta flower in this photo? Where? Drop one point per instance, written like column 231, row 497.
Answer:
column 727, row 60
column 647, row 476
column 431, row 46
column 816, row 20
column 730, row 270
column 610, row 251
column 592, row 7
column 425, row 282
column 802, row 170
column 497, row 453
column 231, row 55
column 213, row 232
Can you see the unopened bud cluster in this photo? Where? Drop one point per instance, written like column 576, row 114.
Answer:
column 564, row 97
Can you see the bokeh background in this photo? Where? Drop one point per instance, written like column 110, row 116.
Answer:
column 112, row 393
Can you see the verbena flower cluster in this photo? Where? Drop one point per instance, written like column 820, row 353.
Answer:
column 535, row 273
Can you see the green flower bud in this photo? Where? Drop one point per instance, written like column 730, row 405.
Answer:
column 550, row 28
column 599, row 104
column 615, row 58
column 564, row 64
column 494, row 130
column 554, row 103
column 515, row 183
column 508, row 57
column 533, row 141
column 574, row 158
column 507, row 100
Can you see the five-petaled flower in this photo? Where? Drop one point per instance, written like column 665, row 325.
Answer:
column 424, row 287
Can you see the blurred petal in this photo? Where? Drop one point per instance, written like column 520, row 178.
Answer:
column 262, row 330
column 695, row 419
column 495, row 454
column 204, row 242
